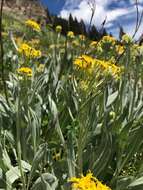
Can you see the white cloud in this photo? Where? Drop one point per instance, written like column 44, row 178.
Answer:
column 81, row 10
column 71, row 4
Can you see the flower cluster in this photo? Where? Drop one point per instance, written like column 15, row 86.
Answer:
column 108, row 67
column 84, row 61
column 28, row 51
column 87, row 182
column 108, row 39
column 89, row 63
column 70, row 34
column 25, row 71
column 34, row 25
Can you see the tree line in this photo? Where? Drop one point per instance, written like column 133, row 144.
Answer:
column 78, row 27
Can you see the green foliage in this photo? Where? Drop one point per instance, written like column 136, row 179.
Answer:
column 63, row 121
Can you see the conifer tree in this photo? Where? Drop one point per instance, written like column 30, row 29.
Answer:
column 121, row 32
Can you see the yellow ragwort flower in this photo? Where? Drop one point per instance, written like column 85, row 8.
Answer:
column 126, row 39
column 93, row 44
column 84, row 61
column 82, row 37
column 25, row 71
column 88, row 182
column 108, row 67
column 34, row 42
column 58, row 29
column 34, row 25
column 119, row 49
column 41, row 68
column 70, row 34
column 108, row 39
column 28, row 51
column 75, row 43
column 89, row 63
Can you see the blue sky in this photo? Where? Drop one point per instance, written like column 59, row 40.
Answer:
column 117, row 12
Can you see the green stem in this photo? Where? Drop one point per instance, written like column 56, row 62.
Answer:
column 80, row 149
column 18, row 143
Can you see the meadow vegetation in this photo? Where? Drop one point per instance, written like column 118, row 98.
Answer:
column 71, row 110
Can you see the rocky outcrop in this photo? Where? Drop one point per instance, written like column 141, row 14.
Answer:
column 29, row 8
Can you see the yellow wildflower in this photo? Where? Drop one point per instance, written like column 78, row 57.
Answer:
column 58, row 29
column 18, row 40
column 88, row 182
column 25, row 70
column 84, row 61
column 93, row 44
column 28, row 51
column 70, row 34
column 108, row 67
column 119, row 49
column 41, row 68
column 127, row 39
column 34, row 42
column 89, row 63
column 81, row 37
column 108, row 39
column 75, row 43
column 34, row 25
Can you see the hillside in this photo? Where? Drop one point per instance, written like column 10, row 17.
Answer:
column 34, row 10
column 30, row 9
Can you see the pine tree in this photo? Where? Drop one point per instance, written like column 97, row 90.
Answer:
column 94, row 34
column 83, row 28
column 121, row 32
column 48, row 16
column 70, row 22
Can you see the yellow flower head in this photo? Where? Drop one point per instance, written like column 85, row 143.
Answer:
column 34, row 42
column 127, row 39
column 58, row 29
column 119, row 49
column 70, row 34
column 109, row 39
column 88, row 182
column 93, row 44
column 41, row 68
column 18, row 40
column 25, row 71
column 28, row 51
column 81, row 37
column 34, row 25
column 75, row 43
column 84, row 61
